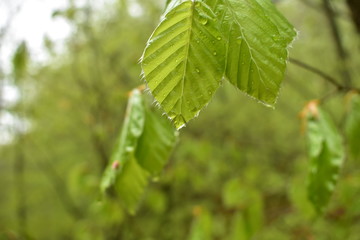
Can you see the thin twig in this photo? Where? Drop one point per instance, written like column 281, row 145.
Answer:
column 317, row 71
column 340, row 48
column 317, row 7
column 324, row 75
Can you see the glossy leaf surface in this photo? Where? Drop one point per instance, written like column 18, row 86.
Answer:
column 198, row 43
column 183, row 61
column 257, row 39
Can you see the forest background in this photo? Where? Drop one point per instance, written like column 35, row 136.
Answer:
column 238, row 171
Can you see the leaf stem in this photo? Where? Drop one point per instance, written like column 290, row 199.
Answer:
column 324, row 75
column 317, row 71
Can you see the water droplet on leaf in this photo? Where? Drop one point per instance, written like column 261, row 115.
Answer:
column 203, row 21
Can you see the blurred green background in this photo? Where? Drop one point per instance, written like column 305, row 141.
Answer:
column 239, row 170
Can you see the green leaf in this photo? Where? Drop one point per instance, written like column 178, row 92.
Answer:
column 156, row 142
column 257, row 37
column 141, row 151
column 353, row 127
column 131, row 183
column 326, row 155
column 20, row 61
column 183, row 62
column 128, row 138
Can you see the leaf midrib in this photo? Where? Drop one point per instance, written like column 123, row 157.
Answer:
column 187, row 49
column 233, row 15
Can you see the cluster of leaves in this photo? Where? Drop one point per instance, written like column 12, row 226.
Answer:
column 225, row 181
column 198, row 44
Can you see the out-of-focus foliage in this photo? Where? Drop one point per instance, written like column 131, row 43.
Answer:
column 326, row 155
column 20, row 61
column 239, row 169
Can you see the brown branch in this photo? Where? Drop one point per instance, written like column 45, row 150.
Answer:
column 354, row 7
column 317, row 7
column 341, row 52
column 318, row 72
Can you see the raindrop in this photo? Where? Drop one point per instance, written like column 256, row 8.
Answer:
column 203, row 21
column 219, row 38
column 215, row 53
column 197, row 70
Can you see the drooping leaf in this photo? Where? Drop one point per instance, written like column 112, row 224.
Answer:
column 183, row 62
column 130, row 184
column 326, row 155
column 144, row 145
column 20, row 61
column 353, row 127
column 257, row 39
column 126, row 144
column 156, row 142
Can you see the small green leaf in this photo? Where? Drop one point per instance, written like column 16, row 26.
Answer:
column 130, row 184
column 184, row 59
column 156, row 142
column 145, row 143
column 326, row 155
column 353, row 127
column 257, row 38
column 20, row 61
column 127, row 141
